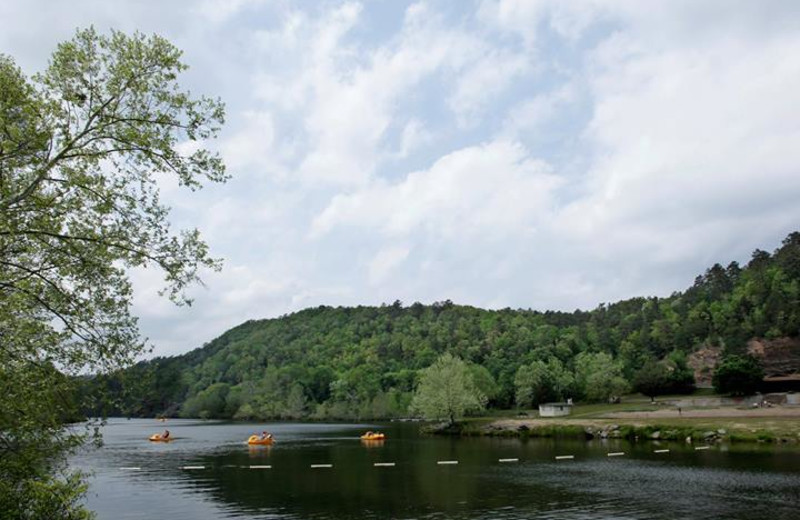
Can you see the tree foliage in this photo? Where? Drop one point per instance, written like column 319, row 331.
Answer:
column 542, row 382
column 82, row 146
column 447, row 390
column 668, row 376
column 364, row 362
column 738, row 375
column 681, row 377
column 599, row 376
column 652, row 380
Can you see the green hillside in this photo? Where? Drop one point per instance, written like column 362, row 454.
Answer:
column 362, row 362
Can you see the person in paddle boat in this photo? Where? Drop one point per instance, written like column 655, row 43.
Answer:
column 265, row 436
column 165, row 435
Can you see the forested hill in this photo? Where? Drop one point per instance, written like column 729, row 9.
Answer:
column 343, row 362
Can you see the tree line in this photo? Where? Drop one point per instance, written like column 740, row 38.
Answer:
column 365, row 362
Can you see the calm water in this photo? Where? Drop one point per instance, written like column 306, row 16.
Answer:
column 742, row 482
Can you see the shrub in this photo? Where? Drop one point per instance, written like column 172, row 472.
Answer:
column 737, row 375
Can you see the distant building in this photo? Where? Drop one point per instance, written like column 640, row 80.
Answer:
column 555, row 409
column 786, row 383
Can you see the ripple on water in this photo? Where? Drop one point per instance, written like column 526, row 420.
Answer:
column 647, row 489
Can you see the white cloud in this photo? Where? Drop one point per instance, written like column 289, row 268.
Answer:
column 251, row 149
column 535, row 115
column 218, row 11
column 348, row 97
column 413, row 137
column 493, row 188
column 686, row 135
column 526, row 18
column 480, row 82
column 385, row 261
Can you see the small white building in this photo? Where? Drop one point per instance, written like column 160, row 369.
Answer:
column 554, row 409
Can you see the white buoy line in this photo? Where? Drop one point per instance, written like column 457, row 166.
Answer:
column 393, row 464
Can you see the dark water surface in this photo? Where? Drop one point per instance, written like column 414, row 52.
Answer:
column 738, row 481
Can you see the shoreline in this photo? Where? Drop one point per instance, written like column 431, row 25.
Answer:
column 780, row 425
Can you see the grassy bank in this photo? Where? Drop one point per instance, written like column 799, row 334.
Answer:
column 630, row 421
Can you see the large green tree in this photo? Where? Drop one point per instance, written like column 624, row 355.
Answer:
column 599, row 376
column 738, row 375
column 652, row 379
column 82, row 148
column 447, row 390
column 540, row 382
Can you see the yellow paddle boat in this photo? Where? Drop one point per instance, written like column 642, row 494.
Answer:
column 256, row 440
column 373, row 436
column 160, row 438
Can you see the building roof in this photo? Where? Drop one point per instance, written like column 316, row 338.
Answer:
column 793, row 377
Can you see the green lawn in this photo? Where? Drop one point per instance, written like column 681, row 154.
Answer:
column 630, row 403
column 762, row 429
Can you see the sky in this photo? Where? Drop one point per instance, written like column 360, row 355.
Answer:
column 498, row 153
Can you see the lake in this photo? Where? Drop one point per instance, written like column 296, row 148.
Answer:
column 733, row 481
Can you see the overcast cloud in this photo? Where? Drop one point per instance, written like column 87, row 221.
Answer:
column 520, row 153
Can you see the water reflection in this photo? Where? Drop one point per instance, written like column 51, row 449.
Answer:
column 259, row 451
column 370, row 443
column 731, row 482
